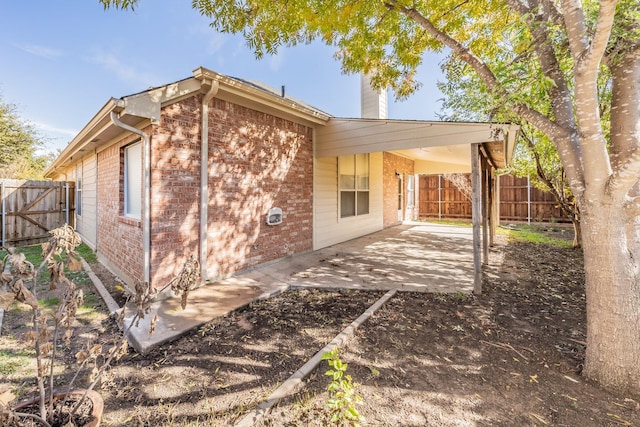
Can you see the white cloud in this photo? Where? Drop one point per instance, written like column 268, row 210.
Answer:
column 124, row 72
column 276, row 61
column 37, row 50
column 216, row 43
column 53, row 129
column 205, row 35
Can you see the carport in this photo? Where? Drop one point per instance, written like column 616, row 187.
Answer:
column 435, row 147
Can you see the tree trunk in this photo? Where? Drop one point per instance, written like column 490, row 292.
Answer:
column 577, row 234
column 612, row 264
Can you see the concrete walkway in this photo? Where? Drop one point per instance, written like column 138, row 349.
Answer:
column 417, row 256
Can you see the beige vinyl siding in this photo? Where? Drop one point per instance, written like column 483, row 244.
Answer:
column 373, row 104
column 86, row 223
column 329, row 228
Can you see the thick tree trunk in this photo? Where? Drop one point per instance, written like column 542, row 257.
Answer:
column 613, row 295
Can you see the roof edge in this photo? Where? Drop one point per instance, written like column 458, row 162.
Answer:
column 81, row 139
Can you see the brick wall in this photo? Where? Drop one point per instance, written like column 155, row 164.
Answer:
column 393, row 164
column 119, row 238
column 256, row 162
column 175, row 189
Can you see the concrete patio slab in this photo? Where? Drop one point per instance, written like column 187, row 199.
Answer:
column 416, row 256
column 203, row 305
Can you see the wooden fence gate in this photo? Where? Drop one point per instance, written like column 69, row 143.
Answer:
column 30, row 209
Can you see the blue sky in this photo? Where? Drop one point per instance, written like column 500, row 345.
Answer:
column 60, row 61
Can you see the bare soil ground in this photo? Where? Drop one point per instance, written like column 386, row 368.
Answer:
column 511, row 357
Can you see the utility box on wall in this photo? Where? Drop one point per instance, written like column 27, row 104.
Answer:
column 274, row 217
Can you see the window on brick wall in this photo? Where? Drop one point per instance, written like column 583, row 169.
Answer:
column 411, row 188
column 353, row 177
column 79, row 190
column 133, row 180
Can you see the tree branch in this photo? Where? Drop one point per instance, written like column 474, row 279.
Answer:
column 625, row 126
column 485, row 73
column 587, row 56
column 575, row 26
column 560, row 94
column 558, row 194
column 594, row 55
column 625, row 175
column 563, row 136
column 554, row 13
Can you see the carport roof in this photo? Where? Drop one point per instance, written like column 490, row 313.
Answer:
column 436, row 147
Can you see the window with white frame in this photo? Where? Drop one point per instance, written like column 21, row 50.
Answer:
column 79, row 190
column 133, row 180
column 410, row 190
column 353, row 180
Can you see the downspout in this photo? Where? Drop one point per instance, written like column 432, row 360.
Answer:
column 66, row 203
column 146, row 197
column 204, row 177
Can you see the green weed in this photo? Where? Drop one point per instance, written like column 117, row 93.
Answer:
column 533, row 234
column 13, row 361
column 49, row 302
column 86, row 253
column 343, row 398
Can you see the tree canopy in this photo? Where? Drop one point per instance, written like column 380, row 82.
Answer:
column 19, row 143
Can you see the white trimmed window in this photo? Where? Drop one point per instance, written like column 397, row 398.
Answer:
column 133, row 180
column 353, row 180
column 411, row 190
column 79, row 190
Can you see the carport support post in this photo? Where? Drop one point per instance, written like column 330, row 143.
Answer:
column 494, row 218
column 476, row 214
column 485, row 209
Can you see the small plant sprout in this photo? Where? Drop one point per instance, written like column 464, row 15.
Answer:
column 343, row 398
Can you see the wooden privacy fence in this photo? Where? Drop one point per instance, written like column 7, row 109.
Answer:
column 519, row 201
column 30, row 209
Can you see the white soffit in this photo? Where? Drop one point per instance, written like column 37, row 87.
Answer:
column 354, row 136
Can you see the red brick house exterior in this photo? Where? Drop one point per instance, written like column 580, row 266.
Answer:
column 256, row 161
column 397, row 168
column 120, row 237
column 195, row 167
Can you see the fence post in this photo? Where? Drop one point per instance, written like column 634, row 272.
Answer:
column 66, row 203
column 4, row 217
column 439, row 198
column 528, row 201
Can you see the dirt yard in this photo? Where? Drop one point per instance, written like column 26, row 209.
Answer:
column 511, row 357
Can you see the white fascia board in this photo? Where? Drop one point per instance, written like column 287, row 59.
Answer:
column 352, row 136
column 148, row 104
column 84, row 137
column 245, row 94
column 510, row 143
